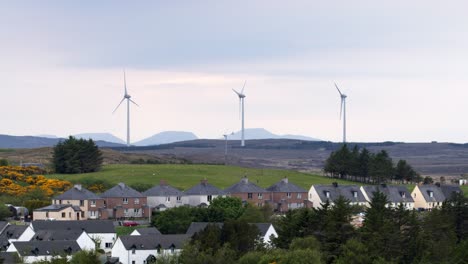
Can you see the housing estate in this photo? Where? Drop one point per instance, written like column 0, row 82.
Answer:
column 163, row 196
column 285, row 195
column 248, row 192
column 122, row 201
column 201, row 194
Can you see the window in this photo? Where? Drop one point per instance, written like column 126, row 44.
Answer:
column 137, row 211
column 259, row 204
column 126, row 211
column 260, row 196
column 92, row 213
column 299, row 195
column 354, row 194
column 47, row 214
column 168, row 199
column 288, row 195
column 60, row 201
column 137, row 201
column 179, row 198
column 81, row 202
column 327, row 194
column 133, row 262
column 133, row 252
column 209, row 198
column 403, row 194
column 431, row 194
column 63, row 215
column 108, row 245
column 82, row 214
column 125, row 200
column 69, row 214
column 93, row 203
column 249, row 195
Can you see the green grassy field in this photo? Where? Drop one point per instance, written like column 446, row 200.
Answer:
column 186, row 176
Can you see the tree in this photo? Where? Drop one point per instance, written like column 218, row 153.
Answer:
column 76, row 156
column 231, row 207
column 381, row 167
column 4, row 162
column 4, row 212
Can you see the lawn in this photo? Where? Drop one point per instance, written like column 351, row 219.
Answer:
column 186, row 176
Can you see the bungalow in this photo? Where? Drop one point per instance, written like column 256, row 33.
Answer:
column 396, row 195
column 89, row 203
column 163, row 196
column 248, row 192
column 146, row 248
column 58, row 212
column 101, row 231
column 285, row 195
column 80, row 236
column 11, row 233
column 201, row 194
column 319, row 194
column 429, row 196
column 267, row 230
column 34, row 251
column 121, row 201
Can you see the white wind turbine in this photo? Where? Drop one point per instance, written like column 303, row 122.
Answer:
column 241, row 111
column 343, row 111
column 126, row 97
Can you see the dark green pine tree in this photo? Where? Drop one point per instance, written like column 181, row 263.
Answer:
column 381, row 167
column 77, row 156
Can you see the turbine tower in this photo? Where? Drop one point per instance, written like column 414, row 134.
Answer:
column 128, row 98
column 241, row 112
column 343, row 111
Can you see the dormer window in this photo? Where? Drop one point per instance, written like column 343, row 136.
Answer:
column 403, row 194
column 354, row 194
column 431, row 194
column 327, row 194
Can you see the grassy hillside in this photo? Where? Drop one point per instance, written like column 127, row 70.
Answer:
column 186, row 176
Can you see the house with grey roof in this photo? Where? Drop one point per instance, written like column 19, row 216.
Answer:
column 91, row 205
column 201, row 194
column 248, row 192
column 101, row 231
column 33, row 251
column 163, row 196
column 146, row 248
column 429, row 196
column 11, row 233
column 319, row 194
column 80, row 236
column 285, row 195
column 145, row 231
column 396, row 195
column 58, row 212
column 122, row 201
column 266, row 230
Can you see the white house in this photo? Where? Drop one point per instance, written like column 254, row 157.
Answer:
column 163, row 196
column 101, row 231
column 319, row 194
column 141, row 249
column 396, row 195
column 145, row 231
column 80, row 236
column 32, row 251
column 201, row 194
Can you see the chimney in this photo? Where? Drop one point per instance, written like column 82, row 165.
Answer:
column 245, row 180
column 162, row 182
column 437, row 184
column 122, row 185
column 78, row 187
column 285, row 180
column 204, row 181
column 335, row 184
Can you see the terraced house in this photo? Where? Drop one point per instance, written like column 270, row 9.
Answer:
column 201, row 194
column 163, row 196
column 285, row 195
column 396, row 195
column 248, row 192
column 319, row 194
column 121, row 201
column 90, row 205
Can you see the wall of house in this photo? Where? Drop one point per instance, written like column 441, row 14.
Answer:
column 85, row 242
column 314, row 198
column 196, row 200
column 104, row 238
column 271, row 232
column 87, row 207
column 70, row 214
column 255, row 200
column 294, row 201
column 26, row 236
column 127, row 256
column 154, row 201
column 418, row 197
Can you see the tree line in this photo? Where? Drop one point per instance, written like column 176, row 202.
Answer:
column 363, row 166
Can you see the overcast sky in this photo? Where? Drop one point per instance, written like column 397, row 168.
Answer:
column 403, row 65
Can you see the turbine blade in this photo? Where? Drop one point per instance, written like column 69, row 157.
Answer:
column 338, row 89
column 118, row 105
column 242, row 91
column 125, row 84
column 236, row 92
column 133, row 102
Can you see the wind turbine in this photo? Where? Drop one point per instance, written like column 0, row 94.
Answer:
column 241, row 111
column 226, row 146
column 128, row 98
column 343, row 111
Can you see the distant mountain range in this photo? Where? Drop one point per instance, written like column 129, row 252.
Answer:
column 109, row 140
column 261, row 133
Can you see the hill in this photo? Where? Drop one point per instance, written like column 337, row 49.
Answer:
column 166, row 137
column 19, row 142
column 261, row 133
column 108, row 137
